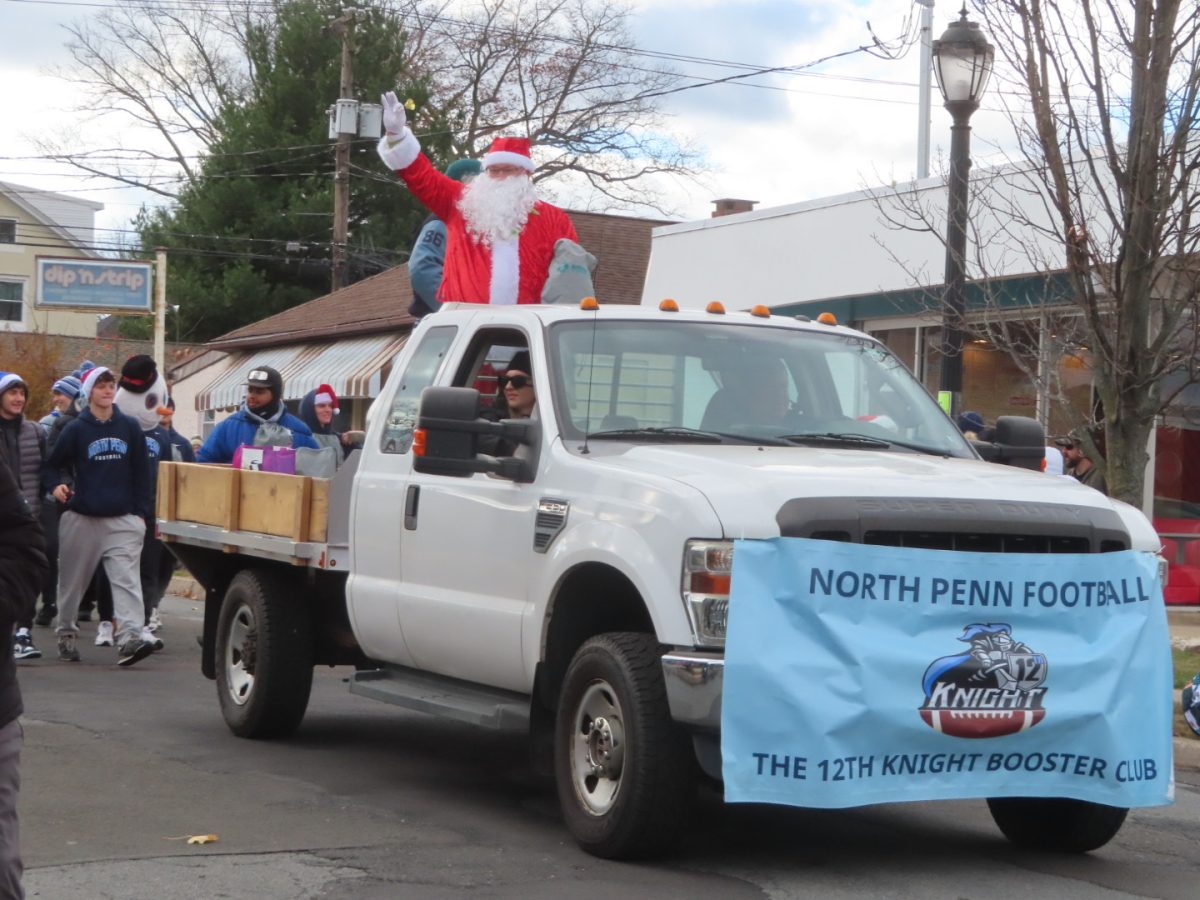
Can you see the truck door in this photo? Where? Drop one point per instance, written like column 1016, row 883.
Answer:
column 466, row 558
column 379, row 500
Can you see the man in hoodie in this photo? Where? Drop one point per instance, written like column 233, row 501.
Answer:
column 263, row 406
column 25, row 448
column 22, row 568
column 105, row 519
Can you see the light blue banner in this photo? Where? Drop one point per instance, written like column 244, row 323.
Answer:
column 857, row 674
column 90, row 284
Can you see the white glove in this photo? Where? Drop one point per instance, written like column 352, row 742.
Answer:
column 395, row 119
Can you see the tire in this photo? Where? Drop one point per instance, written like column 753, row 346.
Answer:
column 1056, row 824
column 624, row 769
column 264, row 656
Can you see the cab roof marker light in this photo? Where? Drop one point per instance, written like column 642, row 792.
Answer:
column 827, row 318
column 589, row 304
column 716, row 307
column 761, row 310
column 668, row 305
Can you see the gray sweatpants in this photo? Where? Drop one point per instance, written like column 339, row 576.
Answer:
column 84, row 541
column 11, row 738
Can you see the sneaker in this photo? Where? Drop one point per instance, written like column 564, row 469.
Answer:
column 104, row 635
column 148, row 637
column 23, row 646
column 67, row 651
column 45, row 618
column 133, row 650
column 155, row 621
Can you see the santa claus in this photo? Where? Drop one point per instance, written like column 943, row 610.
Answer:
column 500, row 236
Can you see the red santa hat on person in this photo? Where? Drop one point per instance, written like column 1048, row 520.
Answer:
column 325, row 394
column 509, row 151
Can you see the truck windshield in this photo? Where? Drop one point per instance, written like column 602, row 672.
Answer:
column 659, row 380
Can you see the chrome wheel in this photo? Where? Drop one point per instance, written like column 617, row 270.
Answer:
column 240, row 655
column 598, row 753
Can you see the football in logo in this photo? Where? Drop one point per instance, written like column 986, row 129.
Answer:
column 993, row 688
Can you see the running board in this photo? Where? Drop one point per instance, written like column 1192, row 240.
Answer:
column 449, row 698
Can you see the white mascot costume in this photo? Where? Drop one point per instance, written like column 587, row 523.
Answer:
column 142, row 392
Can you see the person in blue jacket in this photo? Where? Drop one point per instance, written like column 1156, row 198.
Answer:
column 428, row 256
column 263, row 406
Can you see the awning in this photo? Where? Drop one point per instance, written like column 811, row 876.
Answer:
column 355, row 367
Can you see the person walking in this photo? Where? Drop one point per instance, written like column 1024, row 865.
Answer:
column 25, row 448
column 69, row 386
column 105, row 519
column 262, row 415
column 22, row 570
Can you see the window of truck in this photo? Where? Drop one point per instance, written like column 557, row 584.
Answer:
column 422, row 369
column 746, row 381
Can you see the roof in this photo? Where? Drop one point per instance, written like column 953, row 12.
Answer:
column 621, row 245
column 70, row 218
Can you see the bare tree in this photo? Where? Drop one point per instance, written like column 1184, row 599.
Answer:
column 563, row 72
column 1103, row 98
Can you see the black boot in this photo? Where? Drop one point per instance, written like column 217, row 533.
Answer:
column 46, row 615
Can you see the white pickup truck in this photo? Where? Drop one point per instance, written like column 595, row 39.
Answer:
column 578, row 589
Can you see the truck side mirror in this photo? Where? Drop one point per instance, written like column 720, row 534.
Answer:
column 1019, row 441
column 446, row 441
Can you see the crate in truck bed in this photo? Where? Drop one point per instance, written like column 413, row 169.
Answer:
column 295, row 507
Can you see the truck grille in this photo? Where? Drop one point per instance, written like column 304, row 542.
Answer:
column 979, row 526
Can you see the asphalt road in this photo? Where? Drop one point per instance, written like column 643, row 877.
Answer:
column 121, row 766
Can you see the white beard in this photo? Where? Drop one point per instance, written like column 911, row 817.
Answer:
column 496, row 209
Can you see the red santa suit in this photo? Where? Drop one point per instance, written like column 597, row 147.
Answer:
column 500, row 271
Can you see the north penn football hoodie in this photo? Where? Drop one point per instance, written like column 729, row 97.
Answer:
column 110, row 462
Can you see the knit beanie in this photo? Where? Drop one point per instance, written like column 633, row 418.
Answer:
column 69, row 385
column 84, row 367
column 11, row 380
column 463, row 168
column 89, row 381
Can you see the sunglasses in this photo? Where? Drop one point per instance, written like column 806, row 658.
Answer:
column 517, row 381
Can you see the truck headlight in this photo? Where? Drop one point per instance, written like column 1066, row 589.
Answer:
column 707, row 567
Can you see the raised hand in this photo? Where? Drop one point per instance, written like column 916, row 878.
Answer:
column 395, row 120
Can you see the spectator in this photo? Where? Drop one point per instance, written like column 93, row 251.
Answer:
column 428, row 256
column 52, row 509
column 22, row 570
column 181, row 447
column 1079, row 465
column 317, row 409
column 263, row 407
column 971, row 424
column 500, row 236
column 105, row 519
column 25, row 449
column 62, row 396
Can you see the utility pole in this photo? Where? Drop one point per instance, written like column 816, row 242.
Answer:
column 343, row 25
column 924, row 90
column 160, row 309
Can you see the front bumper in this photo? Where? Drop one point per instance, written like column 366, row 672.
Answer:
column 694, row 681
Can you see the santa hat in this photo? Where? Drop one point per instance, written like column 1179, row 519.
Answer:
column 91, row 378
column 138, row 374
column 11, row 380
column 325, row 394
column 509, row 151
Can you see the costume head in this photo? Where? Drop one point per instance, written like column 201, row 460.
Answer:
column 142, row 391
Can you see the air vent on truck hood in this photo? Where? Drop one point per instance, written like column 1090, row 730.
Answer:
column 551, row 519
column 988, row 526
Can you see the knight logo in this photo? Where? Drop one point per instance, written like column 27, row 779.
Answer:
column 993, row 688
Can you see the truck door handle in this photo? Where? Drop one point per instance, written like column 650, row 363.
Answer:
column 411, row 498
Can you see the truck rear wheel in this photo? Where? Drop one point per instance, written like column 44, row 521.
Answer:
column 624, row 769
column 1057, row 824
column 264, row 656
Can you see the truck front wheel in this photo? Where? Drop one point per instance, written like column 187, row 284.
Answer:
column 264, row 656
column 1056, row 824
column 624, row 769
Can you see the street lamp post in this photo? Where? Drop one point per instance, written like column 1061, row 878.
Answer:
column 962, row 62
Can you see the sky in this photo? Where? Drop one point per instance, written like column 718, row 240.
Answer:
column 839, row 126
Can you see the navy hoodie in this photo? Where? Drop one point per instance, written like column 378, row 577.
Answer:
column 110, row 462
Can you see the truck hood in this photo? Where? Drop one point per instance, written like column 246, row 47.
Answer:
column 748, row 487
